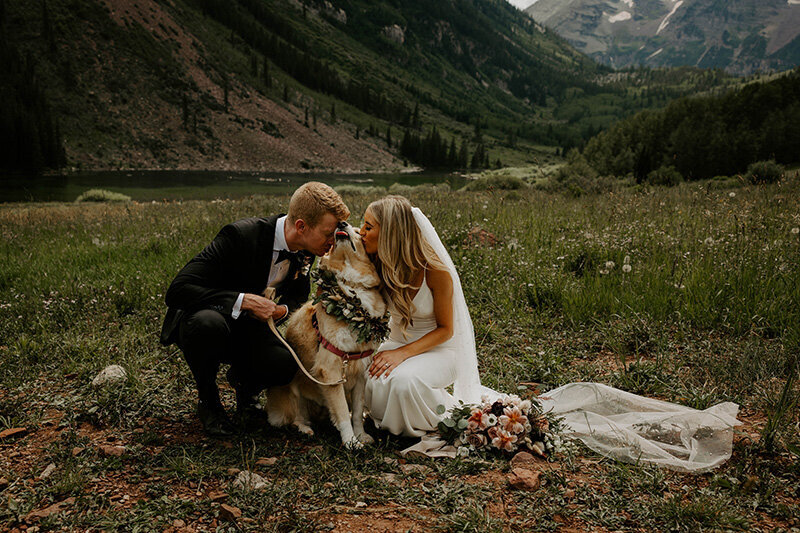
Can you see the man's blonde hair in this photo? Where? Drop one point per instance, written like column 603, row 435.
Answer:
column 312, row 200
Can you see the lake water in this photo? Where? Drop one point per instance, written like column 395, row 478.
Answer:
column 192, row 185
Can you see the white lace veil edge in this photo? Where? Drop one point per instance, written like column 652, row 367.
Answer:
column 467, row 386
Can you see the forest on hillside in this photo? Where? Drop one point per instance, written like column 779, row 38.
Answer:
column 703, row 137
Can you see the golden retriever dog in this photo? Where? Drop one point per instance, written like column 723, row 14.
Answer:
column 316, row 335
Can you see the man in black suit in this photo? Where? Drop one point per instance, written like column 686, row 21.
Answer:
column 217, row 313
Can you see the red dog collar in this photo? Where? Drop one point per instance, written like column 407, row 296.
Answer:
column 349, row 356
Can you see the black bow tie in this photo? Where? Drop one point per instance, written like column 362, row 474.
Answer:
column 283, row 255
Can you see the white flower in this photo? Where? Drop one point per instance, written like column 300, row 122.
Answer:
column 709, row 241
column 626, row 268
column 627, row 260
column 458, row 215
column 795, row 231
column 732, row 194
column 610, row 265
column 491, row 420
column 462, row 451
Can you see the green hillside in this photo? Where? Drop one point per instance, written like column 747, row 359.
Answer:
column 287, row 86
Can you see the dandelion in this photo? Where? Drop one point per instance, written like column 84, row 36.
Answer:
column 610, row 265
column 626, row 268
column 795, row 231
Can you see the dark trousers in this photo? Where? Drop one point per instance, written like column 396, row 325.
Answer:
column 257, row 357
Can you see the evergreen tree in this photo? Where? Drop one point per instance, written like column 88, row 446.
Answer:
column 47, row 28
column 389, row 136
column 265, row 74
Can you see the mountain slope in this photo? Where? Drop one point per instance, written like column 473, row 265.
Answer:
column 742, row 36
column 287, row 85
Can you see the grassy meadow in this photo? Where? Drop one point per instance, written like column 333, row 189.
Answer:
column 690, row 294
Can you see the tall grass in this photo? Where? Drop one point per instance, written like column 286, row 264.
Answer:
column 706, row 310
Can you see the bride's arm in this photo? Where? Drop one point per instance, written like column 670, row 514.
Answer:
column 441, row 285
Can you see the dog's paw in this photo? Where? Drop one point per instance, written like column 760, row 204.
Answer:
column 354, row 444
column 365, row 438
column 305, row 430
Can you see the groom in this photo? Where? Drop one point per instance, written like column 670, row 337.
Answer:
column 217, row 314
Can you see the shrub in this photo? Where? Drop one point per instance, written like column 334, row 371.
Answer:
column 502, row 182
column 402, row 189
column 664, row 175
column 764, row 172
column 357, row 190
column 102, row 195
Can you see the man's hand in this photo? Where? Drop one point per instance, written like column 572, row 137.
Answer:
column 261, row 308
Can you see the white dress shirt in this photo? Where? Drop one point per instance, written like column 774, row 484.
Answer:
column 277, row 272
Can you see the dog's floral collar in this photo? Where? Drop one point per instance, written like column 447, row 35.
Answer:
column 349, row 309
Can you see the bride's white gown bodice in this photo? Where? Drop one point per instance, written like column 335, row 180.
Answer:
column 405, row 402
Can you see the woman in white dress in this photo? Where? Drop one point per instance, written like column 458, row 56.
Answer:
column 411, row 371
column 432, row 346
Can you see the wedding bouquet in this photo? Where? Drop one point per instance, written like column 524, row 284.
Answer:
column 507, row 424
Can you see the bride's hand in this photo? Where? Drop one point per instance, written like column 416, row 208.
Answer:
column 384, row 362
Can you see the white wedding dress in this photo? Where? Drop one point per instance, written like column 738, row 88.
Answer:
column 405, row 401
column 612, row 422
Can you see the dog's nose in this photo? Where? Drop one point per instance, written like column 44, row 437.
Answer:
column 342, row 225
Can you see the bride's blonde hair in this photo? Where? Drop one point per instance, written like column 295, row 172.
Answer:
column 402, row 252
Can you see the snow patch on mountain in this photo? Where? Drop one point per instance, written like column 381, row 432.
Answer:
column 664, row 22
column 625, row 15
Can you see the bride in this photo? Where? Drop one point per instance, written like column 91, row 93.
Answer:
column 431, row 346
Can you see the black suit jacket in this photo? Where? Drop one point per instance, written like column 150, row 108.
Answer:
column 238, row 260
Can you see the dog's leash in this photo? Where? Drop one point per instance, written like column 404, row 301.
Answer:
column 269, row 293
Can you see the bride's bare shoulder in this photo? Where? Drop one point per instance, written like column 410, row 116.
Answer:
column 439, row 280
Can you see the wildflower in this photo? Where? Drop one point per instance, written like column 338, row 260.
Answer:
column 795, row 231
column 462, row 451
column 709, row 241
column 458, row 215
column 627, row 260
column 610, row 265
column 732, row 194
column 513, row 244
column 491, row 419
column 626, row 268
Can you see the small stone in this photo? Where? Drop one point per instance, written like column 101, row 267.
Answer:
column 217, row 496
column 47, row 471
column 266, row 461
column 12, row 432
column 415, row 469
column 178, row 523
column 77, row 451
column 522, row 458
column 110, row 375
column 249, row 481
column 229, row 512
column 47, row 511
column 522, row 479
column 113, row 451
